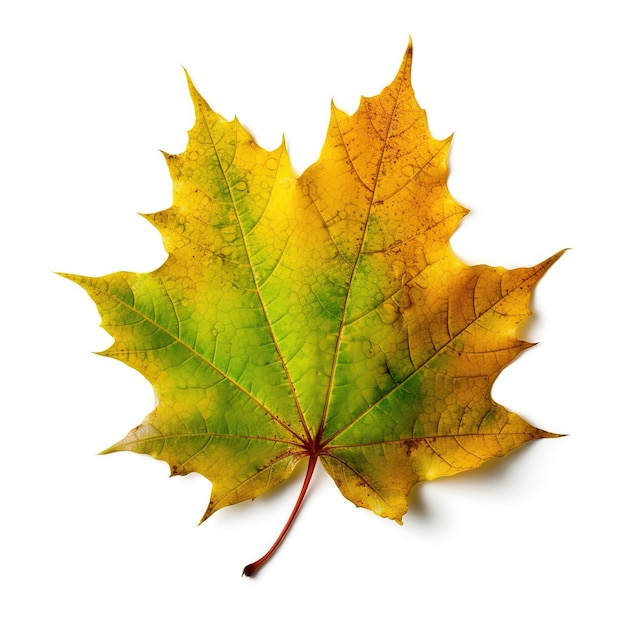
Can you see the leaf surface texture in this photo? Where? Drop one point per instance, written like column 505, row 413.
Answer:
column 323, row 316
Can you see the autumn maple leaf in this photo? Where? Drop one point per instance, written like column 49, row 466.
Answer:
column 321, row 317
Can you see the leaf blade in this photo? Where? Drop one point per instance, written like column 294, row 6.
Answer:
column 320, row 316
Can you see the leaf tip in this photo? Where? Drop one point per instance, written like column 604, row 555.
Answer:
column 207, row 514
column 197, row 99
column 73, row 277
column 544, row 434
column 407, row 60
column 544, row 266
column 190, row 84
column 409, row 48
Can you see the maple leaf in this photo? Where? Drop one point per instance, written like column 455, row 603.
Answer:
column 321, row 317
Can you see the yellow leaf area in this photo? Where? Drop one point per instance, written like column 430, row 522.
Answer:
column 321, row 317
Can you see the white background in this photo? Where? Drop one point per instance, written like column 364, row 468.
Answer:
column 90, row 91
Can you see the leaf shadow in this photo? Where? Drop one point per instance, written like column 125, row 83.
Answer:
column 495, row 472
